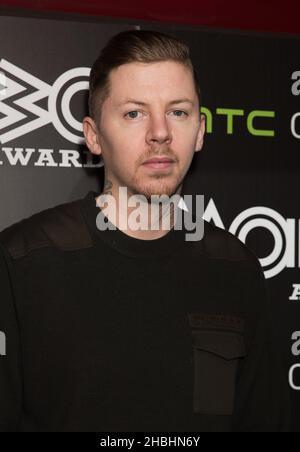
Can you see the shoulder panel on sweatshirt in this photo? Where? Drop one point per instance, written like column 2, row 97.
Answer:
column 218, row 243
column 62, row 227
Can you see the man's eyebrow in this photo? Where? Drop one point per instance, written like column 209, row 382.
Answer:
column 172, row 102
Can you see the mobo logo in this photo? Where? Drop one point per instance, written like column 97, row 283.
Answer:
column 284, row 232
column 15, row 123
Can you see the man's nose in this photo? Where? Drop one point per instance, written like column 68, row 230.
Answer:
column 158, row 130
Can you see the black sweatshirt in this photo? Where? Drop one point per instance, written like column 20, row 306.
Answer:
column 105, row 332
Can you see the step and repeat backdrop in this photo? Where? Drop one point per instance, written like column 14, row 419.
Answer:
column 248, row 169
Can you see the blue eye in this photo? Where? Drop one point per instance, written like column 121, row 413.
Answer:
column 132, row 114
column 180, row 111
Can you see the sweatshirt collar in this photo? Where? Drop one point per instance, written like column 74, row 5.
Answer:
column 122, row 242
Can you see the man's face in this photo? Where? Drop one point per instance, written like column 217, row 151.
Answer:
column 152, row 110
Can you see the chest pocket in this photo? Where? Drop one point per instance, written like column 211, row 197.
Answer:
column 216, row 357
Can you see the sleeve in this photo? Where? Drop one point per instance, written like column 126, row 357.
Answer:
column 262, row 393
column 10, row 368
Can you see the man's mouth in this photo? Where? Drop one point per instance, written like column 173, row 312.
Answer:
column 159, row 163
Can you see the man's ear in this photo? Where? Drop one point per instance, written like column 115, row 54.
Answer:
column 91, row 135
column 200, row 136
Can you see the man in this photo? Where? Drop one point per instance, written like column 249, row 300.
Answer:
column 120, row 328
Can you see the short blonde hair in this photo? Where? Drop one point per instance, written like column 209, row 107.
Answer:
column 129, row 46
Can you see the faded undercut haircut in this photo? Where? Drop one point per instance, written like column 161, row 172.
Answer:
column 144, row 46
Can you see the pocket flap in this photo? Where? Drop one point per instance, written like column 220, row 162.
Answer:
column 228, row 345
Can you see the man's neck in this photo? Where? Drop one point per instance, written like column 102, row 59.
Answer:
column 155, row 219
